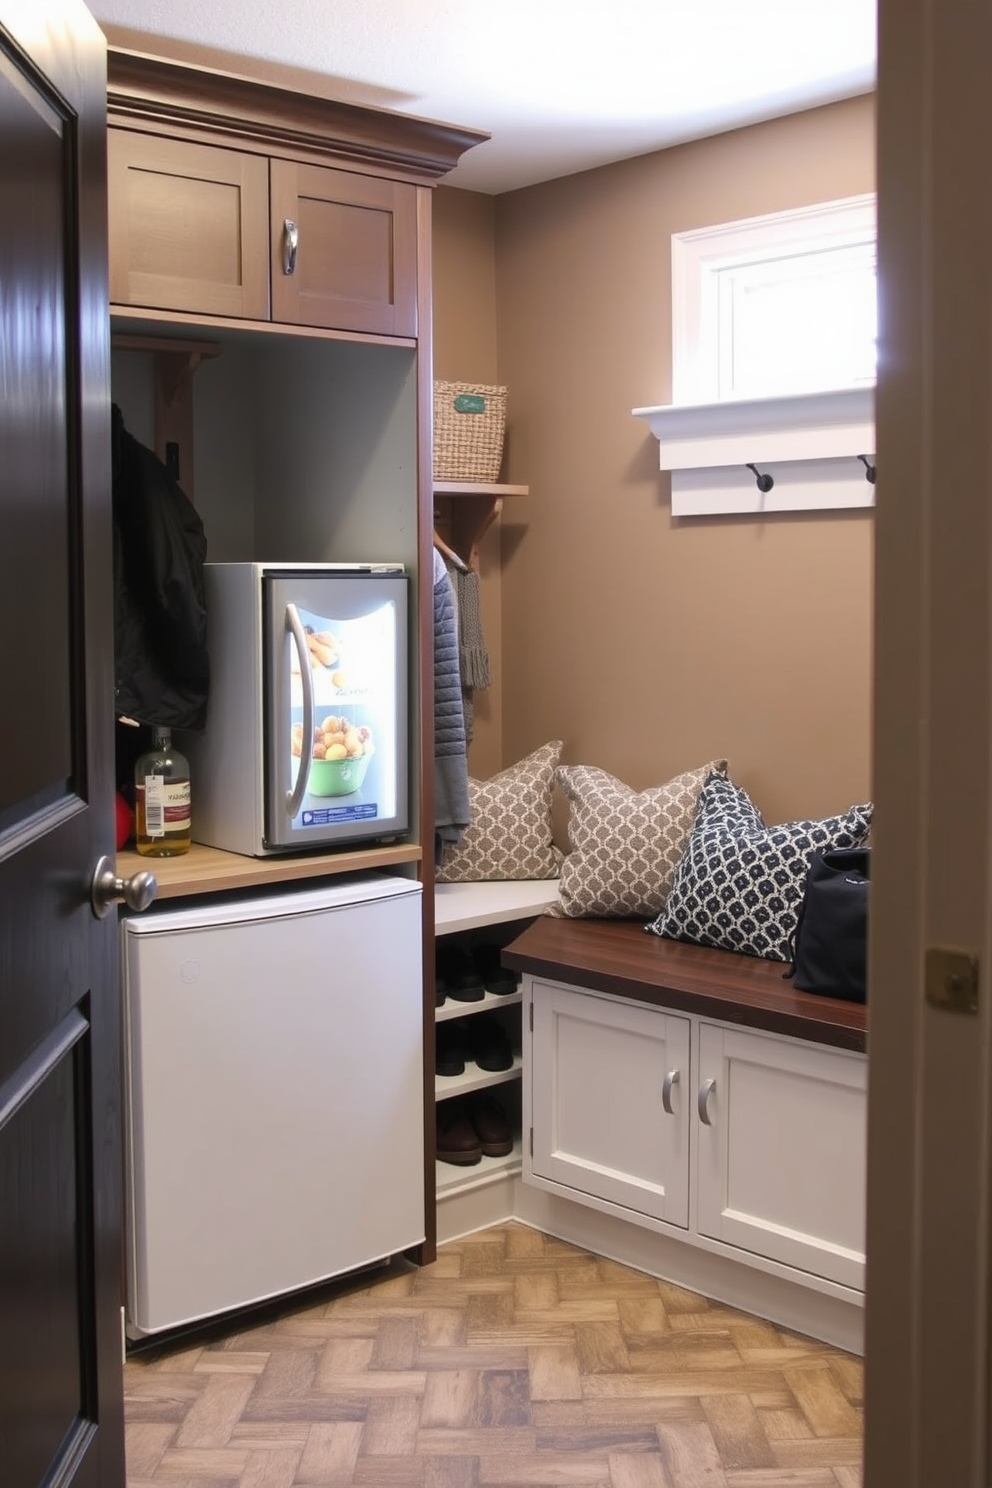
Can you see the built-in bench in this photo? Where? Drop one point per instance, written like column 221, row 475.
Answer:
column 687, row 1111
column 621, row 958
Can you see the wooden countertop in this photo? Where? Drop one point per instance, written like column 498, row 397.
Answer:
column 621, row 958
column 207, row 870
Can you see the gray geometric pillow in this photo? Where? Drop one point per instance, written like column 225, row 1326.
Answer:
column 624, row 845
column 740, row 883
column 510, row 835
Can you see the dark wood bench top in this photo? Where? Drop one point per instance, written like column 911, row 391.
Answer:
column 622, row 958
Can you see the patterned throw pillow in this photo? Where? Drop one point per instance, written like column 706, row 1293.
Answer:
column 510, row 835
column 624, row 845
column 740, row 883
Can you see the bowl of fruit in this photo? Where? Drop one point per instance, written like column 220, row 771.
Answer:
column 339, row 755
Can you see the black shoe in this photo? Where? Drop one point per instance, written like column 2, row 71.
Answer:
column 497, row 978
column 490, row 1044
column 440, row 991
column 462, row 981
column 451, row 1048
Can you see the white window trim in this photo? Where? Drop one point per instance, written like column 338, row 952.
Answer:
column 699, row 255
column 816, row 446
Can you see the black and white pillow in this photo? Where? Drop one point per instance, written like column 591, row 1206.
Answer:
column 739, row 883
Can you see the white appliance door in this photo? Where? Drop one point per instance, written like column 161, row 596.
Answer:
column 275, row 1095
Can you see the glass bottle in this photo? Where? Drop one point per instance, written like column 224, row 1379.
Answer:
column 163, row 824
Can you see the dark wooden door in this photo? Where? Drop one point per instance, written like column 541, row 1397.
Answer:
column 60, row 1115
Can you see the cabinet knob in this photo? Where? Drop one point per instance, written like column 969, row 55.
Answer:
column 290, row 243
column 672, row 1078
column 705, row 1090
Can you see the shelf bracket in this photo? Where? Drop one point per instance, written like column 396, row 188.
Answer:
column 176, row 364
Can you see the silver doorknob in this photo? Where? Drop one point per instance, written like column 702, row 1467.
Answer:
column 106, row 890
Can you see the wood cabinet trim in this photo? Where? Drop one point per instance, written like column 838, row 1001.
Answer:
column 170, row 93
column 145, row 321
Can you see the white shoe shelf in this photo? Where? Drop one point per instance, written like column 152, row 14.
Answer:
column 466, row 911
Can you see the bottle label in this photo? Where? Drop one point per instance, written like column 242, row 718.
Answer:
column 167, row 806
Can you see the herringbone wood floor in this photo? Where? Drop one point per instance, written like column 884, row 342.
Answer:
column 514, row 1360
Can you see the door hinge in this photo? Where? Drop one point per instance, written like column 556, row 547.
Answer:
column 531, row 1142
column 951, row 980
column 530, row 1017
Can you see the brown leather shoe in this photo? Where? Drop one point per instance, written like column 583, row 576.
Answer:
column 457, row 1141
column 491, row 1123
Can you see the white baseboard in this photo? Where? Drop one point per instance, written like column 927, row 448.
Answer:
column 790, row 1305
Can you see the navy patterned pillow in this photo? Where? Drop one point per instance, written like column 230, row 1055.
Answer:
column 739, row 883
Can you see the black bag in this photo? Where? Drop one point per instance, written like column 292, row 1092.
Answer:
column 831, row 939
column 162, row 668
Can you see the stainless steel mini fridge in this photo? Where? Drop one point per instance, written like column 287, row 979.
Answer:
column 307, row 737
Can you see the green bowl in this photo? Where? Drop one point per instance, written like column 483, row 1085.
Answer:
column 337, row 777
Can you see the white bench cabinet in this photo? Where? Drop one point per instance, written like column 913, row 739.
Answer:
column 761, row 1157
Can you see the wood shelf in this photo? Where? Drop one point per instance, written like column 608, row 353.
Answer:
column 478, row 488
column 208, row 870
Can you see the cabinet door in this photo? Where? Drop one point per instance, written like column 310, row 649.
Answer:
column 600, row 1090
column 188, row 227
column 355, row 267
column 781, row 1151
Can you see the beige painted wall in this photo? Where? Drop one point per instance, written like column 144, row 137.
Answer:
column 649, row 644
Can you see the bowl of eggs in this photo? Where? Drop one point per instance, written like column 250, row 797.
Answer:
column 339, row 755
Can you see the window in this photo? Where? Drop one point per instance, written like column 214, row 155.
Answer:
column 773, row 363
column 775, row 305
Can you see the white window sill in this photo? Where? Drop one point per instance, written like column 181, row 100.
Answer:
column 811, row 444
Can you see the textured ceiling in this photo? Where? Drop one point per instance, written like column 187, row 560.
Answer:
column 561, row 85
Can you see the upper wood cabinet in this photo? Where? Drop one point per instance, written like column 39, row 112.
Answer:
column 189, row 226
column 236, row 199
column 344, row 250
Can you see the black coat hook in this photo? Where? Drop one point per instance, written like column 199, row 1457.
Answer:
column 869, row 470
column 764, row 482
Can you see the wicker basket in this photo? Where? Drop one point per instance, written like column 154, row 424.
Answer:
column 469, row 424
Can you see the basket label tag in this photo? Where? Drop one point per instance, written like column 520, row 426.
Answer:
column 470, row 403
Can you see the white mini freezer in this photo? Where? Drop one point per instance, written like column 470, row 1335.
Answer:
column 274, row 1087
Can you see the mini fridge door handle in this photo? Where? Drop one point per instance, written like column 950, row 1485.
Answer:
column 294, row 798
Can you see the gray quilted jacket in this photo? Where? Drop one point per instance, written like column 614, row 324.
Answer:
column 451, row 805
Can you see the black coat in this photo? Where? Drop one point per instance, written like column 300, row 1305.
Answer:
column 162, row 670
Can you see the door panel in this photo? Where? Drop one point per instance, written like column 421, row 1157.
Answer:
column 189, row 226
column 356, row 264
column 782, row 1155
column 601, row 1127
column 60, row 1173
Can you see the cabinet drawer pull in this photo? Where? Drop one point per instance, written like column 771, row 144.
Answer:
column 290, row 243
column 672, row 1078
column 701, row 1101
